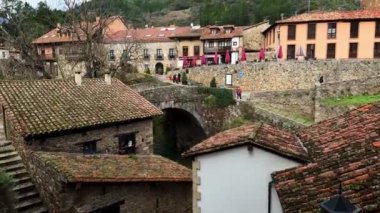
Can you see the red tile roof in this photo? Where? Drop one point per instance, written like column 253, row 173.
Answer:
column 221, row 33
column 334, row 16
column 48, row 106
column 149, row 34
column 260, row 135
column 342, row 152
column 76, row 167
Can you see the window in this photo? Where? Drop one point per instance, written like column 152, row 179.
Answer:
column 171, row 53
column 291, row 53
column 377, row 33
column 196, row 51
column 214, row 31
column 127, row 144
column 291, row 32
column 330, row 51
column 185, row 51
column 88, row 147
column 146, row 52
column 353, row 52
column 3, row 53
column 159, row 52
column 274, row 35
column 311, row 31
column 377, row 50
column 331, row 30
column 125, row 54
column 211, row 44
column 112, row 55
column 354, row 30
column 310, row 51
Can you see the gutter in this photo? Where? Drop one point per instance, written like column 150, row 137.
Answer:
column 270, row 196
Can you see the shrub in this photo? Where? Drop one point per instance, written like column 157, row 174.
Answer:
column 168, row 69
column 224, row 97
column 184, row 79
column 213, row 82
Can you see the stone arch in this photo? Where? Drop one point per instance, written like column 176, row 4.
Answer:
column 159, row 68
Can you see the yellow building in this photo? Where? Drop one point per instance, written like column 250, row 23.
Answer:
column 370, row 4
column 327, row 35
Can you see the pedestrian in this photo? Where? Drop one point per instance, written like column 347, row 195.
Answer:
column 179, row 78
column 175, row 78
column 238, row 92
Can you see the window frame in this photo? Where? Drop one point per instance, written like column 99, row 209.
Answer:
column 376, row 50
column 197, row 50
column 308, row 50
column 293, row 56
column 354, row 31
column 293, row 35
column 311, row 34
column 92, row 147
column 351, row 53
column 377, row 29
column 329, row 55
column 171, row 53
column 187, row 51
column 127, row 149
column 332, row 34
column 111, row 55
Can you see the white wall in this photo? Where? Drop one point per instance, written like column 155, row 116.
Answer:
column 236, row 180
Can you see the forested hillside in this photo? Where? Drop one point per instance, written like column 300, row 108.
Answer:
column 204, row 12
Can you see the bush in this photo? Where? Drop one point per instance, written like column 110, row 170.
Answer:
column 147, row 71
column 213, row 82
column 224, row 97
column 168, row 69
column 184, row 79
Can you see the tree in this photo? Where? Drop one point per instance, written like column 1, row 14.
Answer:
column 213, row 82
column 184, row 79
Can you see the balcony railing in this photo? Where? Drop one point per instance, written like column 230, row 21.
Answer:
column 159, row 57
column 217, row 49
column 172, row 57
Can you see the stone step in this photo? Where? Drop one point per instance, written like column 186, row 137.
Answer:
column 36, row 209
column 18, row 173
column 24, row 186
column 13, row 167
column 8, row 155
column 4, row 149
column 20, row 180
column 27, row 194
column 5, row 143
column 10, row 161
column 28, row 203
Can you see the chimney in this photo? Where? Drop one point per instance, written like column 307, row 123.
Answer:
column 58, row 25
column 192, row 25
column 146, row 26
column 107, row 78
column 78, row 78
column 282, row 16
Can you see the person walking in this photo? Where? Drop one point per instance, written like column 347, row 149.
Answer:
column 239, row 92
column 179, row 78
column 174, row 78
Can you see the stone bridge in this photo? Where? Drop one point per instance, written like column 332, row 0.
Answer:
column 191, row 101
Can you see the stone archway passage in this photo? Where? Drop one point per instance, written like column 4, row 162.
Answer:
column 175, row 132
column 159, row 68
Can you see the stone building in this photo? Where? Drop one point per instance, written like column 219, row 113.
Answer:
column 370, row 4
column 88, row 146
column 147, row 48
column 253, row 39
column 61, row 50
column 327, row 35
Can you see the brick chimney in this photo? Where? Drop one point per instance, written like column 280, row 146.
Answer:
column 78, row 78
column 107, row 78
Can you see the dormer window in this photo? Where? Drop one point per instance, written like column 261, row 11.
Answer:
column 228, row 30
column 213, row 31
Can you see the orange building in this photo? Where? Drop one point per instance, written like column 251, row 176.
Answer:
column 327, row 35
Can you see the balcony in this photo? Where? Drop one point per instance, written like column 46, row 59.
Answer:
column 159, row 57
column 172, row 57
column 47, row 57
column 217, row 49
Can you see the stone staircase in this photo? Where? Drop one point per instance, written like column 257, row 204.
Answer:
column 27, row 196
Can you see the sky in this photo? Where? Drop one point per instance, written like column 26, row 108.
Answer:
column 58, row 4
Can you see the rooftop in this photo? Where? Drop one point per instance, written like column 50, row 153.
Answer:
column 343, row 151
column 114, row 168
column 40, row 107
column 221, row 32
column 259, row 135
column 148, row 34
column 333, row 16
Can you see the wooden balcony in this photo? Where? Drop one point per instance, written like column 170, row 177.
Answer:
column 219, row 49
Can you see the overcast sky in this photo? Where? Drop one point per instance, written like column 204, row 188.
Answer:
column 52, row 3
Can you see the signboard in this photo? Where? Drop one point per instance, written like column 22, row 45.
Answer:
column 228, row 79
column 241, row 74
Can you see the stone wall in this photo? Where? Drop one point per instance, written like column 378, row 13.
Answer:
column 286, row 75
column 108, row 142
column 171, row 197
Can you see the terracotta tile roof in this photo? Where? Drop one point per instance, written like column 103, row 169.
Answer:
column 221, row 33
column 334, row 16
column 76, row 167
column 48, row 106
column 149, row 34
column 342, row 152
column 260, row 135
column 53, row 36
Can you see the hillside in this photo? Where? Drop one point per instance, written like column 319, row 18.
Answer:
column 238, row 12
